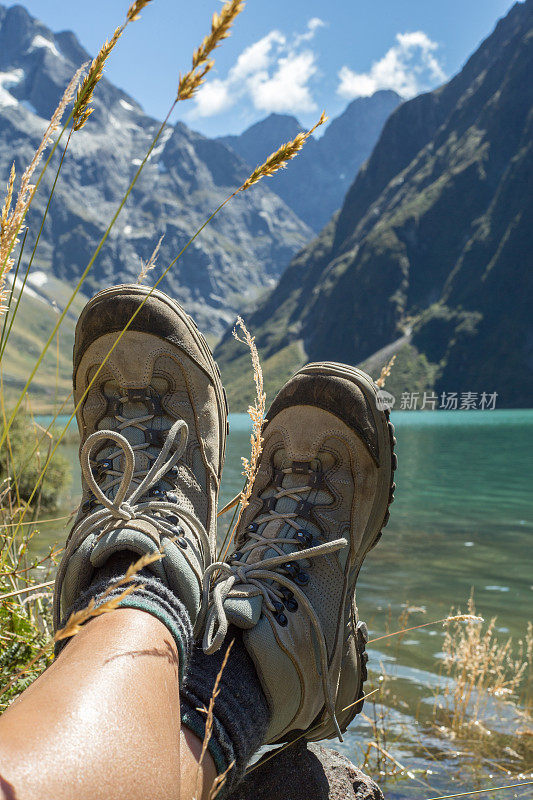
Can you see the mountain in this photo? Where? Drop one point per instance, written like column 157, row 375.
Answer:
column 318, row 179
column 240, row 253
column 430, row 255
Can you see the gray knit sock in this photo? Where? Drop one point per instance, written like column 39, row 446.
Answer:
column 150, row 595
column 241, row 713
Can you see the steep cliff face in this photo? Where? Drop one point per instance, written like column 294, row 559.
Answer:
column 187, row 177
column 318, row 180
column 432, row 246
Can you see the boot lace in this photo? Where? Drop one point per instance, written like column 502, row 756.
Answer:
column 127, row 504
column 104, row 467
column 269, row 578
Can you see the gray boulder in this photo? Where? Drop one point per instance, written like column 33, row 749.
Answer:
column 306, row 772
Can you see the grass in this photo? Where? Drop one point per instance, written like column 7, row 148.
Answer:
column 34, row 320
column 478, row 673
column 277, row 369
column 483, row 679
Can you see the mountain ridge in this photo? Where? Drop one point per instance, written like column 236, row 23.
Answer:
column 318, row 179
column 186, row 178
column 430, row 244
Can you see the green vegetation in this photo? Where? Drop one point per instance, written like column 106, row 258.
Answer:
column 23, row 458
column 277, row 369
column 411, row 371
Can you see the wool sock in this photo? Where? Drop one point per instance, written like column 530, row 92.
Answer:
column 150, row 595
column 240, row 713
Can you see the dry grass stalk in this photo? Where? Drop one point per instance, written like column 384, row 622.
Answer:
column 4, row 227
column 385, row 372
column 12, row 219
column 135, row 9
column 481, row 791
column 281, row 157
column 78, row 618
column 150, row 264
column 470, row 618
column 86, row 90
column 480, row 666
column 256, row 413
column 85, row 94
column 201, row 63
column 210, row 716
column 218, row 783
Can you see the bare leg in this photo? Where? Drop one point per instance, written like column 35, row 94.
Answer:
column 103, row 722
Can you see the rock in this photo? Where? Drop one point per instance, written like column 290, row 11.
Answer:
column 306, row 772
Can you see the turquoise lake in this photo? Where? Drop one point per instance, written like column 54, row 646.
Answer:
column 462, row 522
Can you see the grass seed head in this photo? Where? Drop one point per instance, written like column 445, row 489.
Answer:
column 281, row 157
column 385, row 372
column 201, row 61
column 12, row 218
column 85, row 92
column 150, row 264
column 135, row 9
column 78, row 618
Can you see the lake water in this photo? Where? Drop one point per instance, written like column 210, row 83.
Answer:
column 461, row 523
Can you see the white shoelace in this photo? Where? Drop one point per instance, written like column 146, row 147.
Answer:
column 263, row 575
column 125, row 505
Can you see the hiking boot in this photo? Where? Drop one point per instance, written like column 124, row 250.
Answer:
column 152, row 417
column 319, row 501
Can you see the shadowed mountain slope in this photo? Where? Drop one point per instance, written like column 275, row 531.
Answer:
column 430, row 254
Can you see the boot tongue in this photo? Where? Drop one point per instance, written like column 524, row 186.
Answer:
column 278, row 528
column 121, row 539
column 243, row 611
column 129, row 409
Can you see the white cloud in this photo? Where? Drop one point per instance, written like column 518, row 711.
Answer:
column 272, row 73
column 212, row 98
column 257, row 57
column 408, row 67
column 312, row 26
column 287, row 89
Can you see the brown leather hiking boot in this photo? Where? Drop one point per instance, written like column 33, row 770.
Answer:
column 319, row 502
column 153, row 426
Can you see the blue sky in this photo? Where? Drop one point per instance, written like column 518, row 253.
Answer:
column 289, row 56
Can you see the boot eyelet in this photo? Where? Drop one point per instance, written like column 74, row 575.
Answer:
column 281, row 619
column 302, row 578
column 173, row 520
column 252, row 527
column 287, row 594
column 237, row 556
column 182, row 542
column 291, row 605
column 278, row 606
column 291, row 569
column 304, row 538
